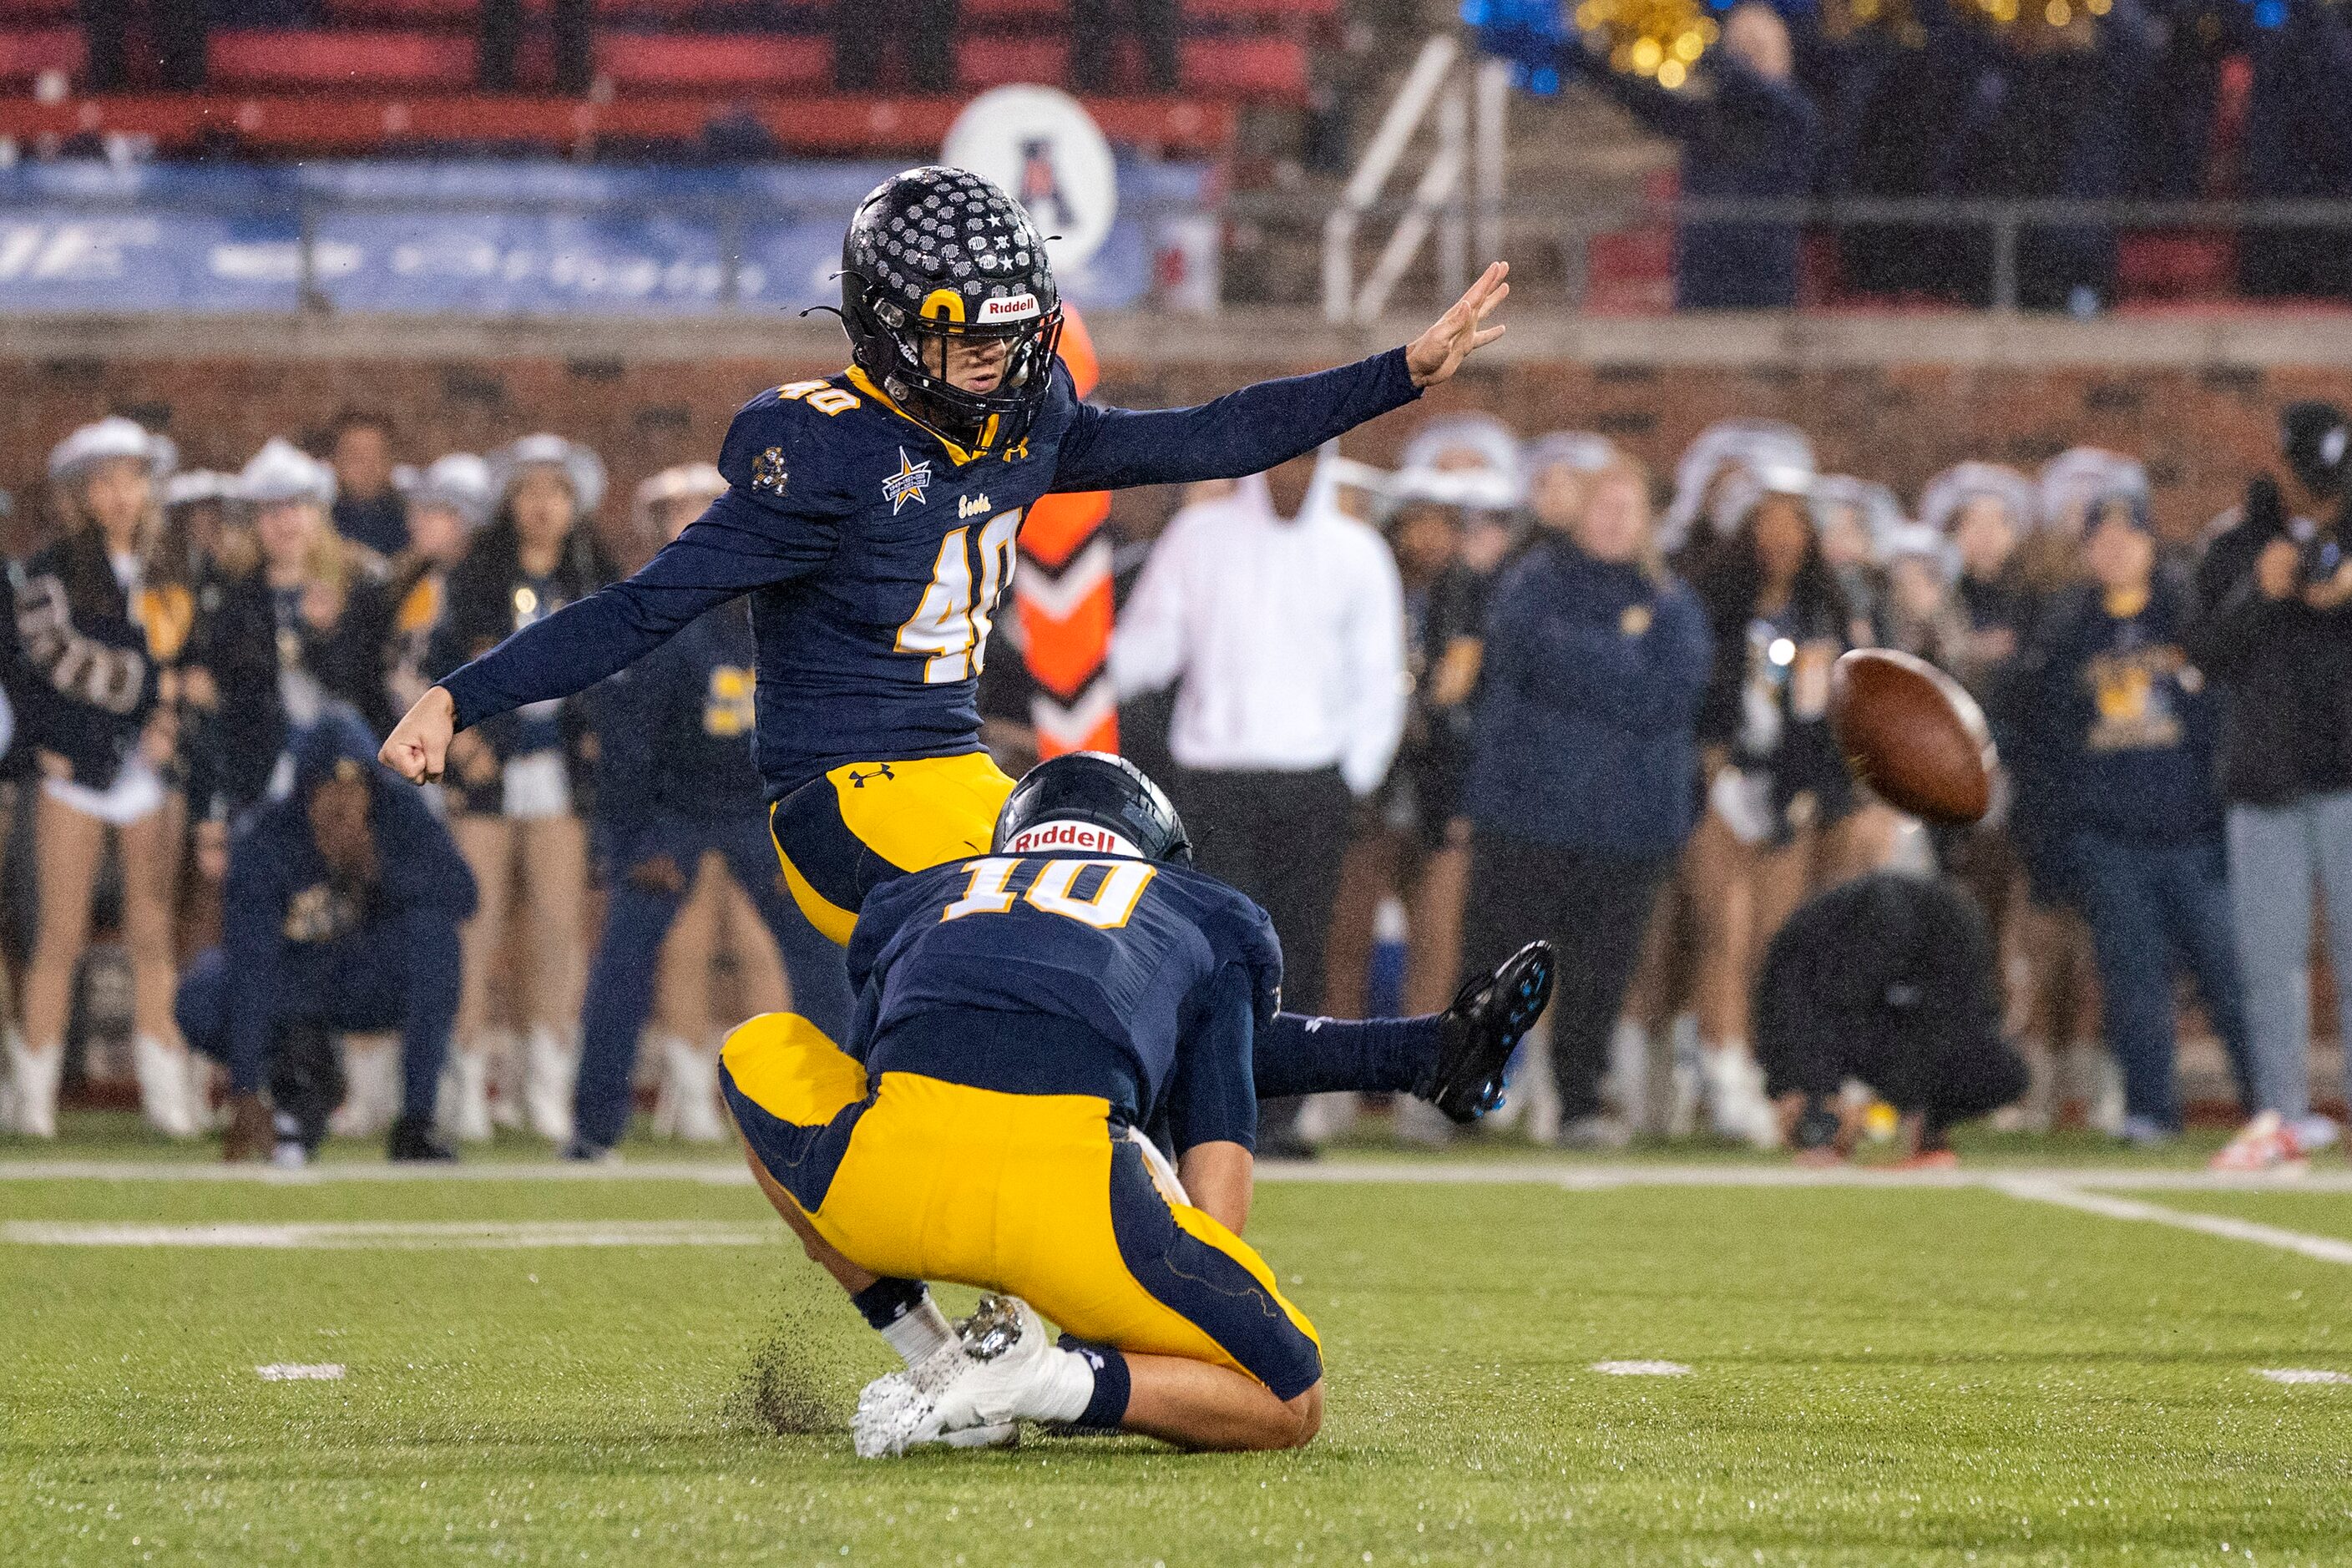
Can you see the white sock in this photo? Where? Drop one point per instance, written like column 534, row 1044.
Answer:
column 1066, row 1389
column 919, row 1334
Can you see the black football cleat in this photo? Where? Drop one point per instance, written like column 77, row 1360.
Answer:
column 412, row 1142
column 1489, row 1018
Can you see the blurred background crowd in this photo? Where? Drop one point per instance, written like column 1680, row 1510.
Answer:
column 1518, row 686
column 1954, row 116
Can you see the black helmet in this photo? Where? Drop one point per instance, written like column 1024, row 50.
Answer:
column 934, row 253
column 1058, row 800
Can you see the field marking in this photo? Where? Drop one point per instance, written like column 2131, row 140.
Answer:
column 399, row 1236
column 2324, row 1248
column 2296, row 1374
column 1642, row 1368
column 301, row 1372
column 1570, row 1177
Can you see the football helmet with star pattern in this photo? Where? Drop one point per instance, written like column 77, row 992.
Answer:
column 935, row 255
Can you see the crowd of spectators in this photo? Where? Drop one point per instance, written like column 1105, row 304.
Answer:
column 1937, row 100
column 1616, row 737
column 1517, row 688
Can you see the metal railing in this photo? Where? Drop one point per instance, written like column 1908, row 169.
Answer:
column 2006, row 223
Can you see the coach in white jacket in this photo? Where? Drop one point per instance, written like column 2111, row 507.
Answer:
column 1288, row 635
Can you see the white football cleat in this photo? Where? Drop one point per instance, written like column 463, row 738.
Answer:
column 1010, row 1372
column 892, row 1409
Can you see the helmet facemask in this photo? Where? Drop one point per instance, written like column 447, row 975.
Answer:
column 915, row 353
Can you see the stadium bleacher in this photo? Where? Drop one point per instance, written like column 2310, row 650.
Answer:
column 383, row 74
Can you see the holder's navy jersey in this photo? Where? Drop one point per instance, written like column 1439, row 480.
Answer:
column 1166, row 965
column 876, row 553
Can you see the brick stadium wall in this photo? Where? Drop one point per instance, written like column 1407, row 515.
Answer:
column 2200, row 429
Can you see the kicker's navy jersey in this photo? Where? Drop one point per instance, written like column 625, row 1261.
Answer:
column 1165, row 966
column 876, row 553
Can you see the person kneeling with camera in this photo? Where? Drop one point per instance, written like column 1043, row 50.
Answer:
column 1890, row 979
column 342, row 914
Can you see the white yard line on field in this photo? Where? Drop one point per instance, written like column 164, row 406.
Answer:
column 1569, row 1176
column 401, row 1236
column 2325, row 1249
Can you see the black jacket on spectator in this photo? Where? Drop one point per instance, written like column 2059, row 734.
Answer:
column 485, row 604
column 2122, row 722
column 2287, row 667
column 1753, row 140
column 251, row 636
column 91, row 670
column 1894, row 980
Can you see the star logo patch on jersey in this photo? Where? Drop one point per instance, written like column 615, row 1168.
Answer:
column 907, row 484
column 768, row 472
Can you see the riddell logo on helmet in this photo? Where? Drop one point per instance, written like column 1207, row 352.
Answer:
column 1083, row 836
column 1010, row 308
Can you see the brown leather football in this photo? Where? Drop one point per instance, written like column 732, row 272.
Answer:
column 1911, row 735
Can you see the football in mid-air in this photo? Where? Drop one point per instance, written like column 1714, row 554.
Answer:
column 1912, row 735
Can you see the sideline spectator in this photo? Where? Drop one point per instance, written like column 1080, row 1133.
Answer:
column 675, row 786
column 2061, row 1033
column 103, row 619
column 2274, row 592
column 449, row 501
column 517, row 785
column 2123, row 731
column 1586, row 763
column 1776, row 783
column 1757, row 139
column 342, row 911
column 305, row 626
column 368, row 507
column 1287, row 636
column 1706, row 488
column 1894, row 980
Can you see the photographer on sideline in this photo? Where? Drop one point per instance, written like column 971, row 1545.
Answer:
column 2273, row 627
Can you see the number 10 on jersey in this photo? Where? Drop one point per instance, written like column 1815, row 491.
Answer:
column 951, row 625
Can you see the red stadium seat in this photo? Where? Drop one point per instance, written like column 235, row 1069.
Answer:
column 18, row 13
column 1244, row 68
column 972, row 11
column 993, row 62
column 403, row 13
column 672, row 61
column 25, row 54
column 360, row 58
column 1256, row 10
column 2170, row 264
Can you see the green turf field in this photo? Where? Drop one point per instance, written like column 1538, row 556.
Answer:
column 633, row 1368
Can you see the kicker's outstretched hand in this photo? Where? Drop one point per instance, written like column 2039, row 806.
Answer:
column 1437, row 353
column 419, row 746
